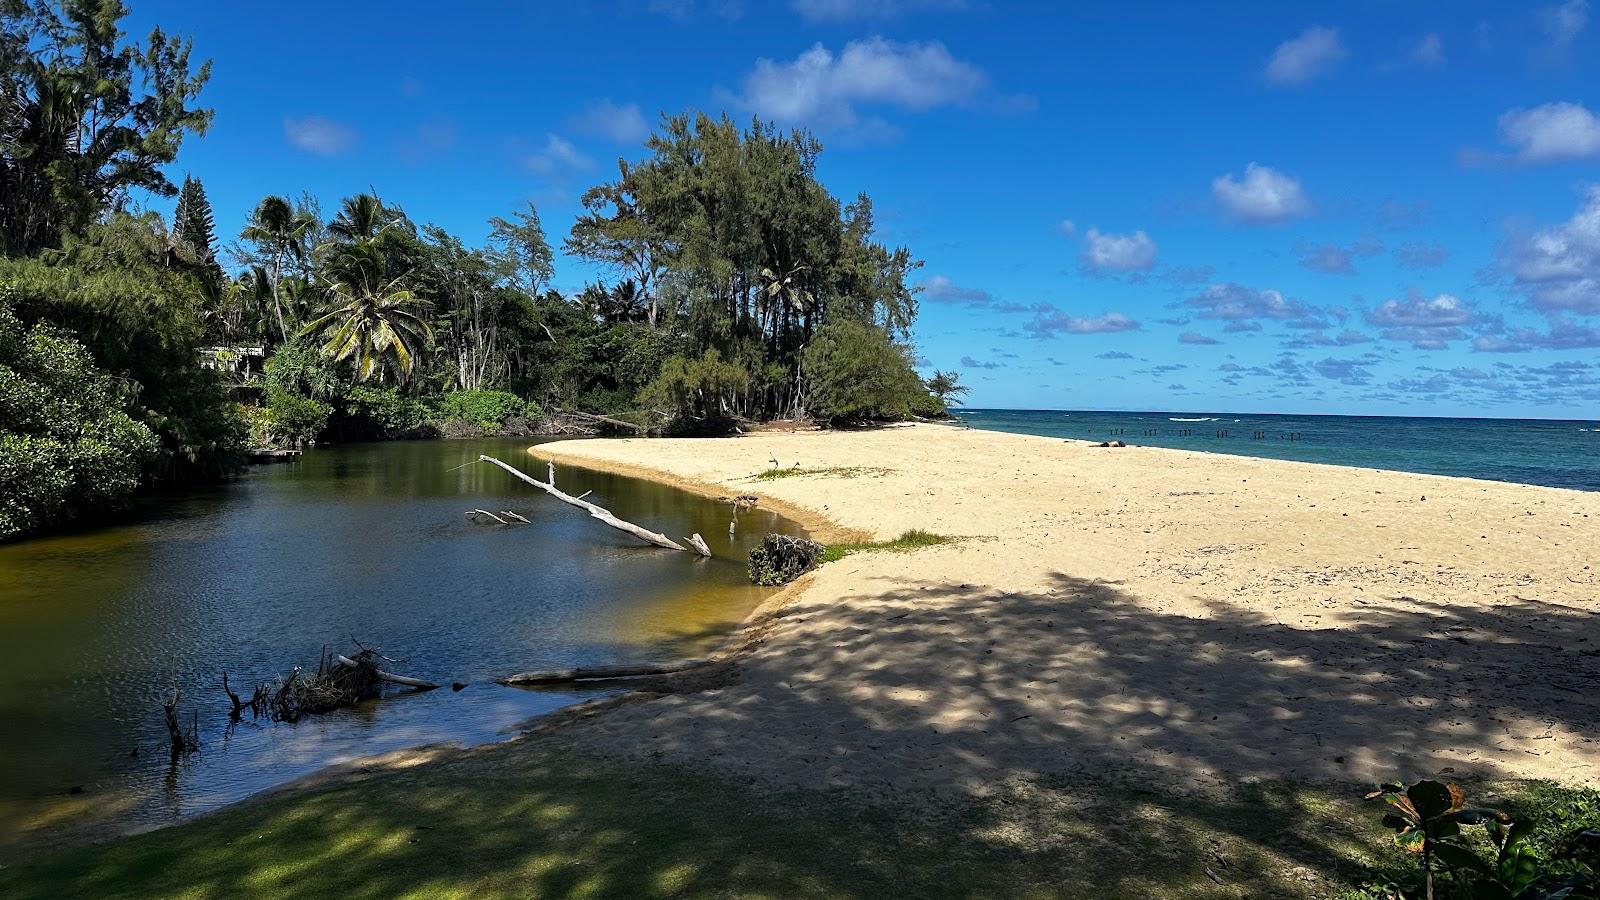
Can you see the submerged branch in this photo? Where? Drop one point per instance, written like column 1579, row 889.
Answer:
column 598, row 512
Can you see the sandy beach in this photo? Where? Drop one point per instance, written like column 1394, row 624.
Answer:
column 1191, row 618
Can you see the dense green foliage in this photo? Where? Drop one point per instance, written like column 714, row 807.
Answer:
column 857, row 373
column 141, row 311
column 290, row 419
column 727, row 238
column 85, row 116
column 487, row 410
column 735, row 286
column 1477, row 853
column 66, row 446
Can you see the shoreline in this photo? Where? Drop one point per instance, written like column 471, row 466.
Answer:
column 1298, row 583
column 1166, row 643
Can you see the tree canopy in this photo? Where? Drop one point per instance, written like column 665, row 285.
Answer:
column 732, row 286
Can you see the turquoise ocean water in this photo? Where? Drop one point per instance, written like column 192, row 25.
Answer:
column 1551, row 452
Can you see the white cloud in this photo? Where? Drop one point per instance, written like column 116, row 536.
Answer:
column 1301, row 59
column 619, row 124
column 1265, row 195
column 1554, row 132
column 1562, row 24
column 1559, row 266
column 1195, row 337
column 1427, row 323
column 1117, row 252
column 1231, row 302
column 1429, row 51
column 821, row 89
column 319, row 135
column 1069, row 228
column 847, row 10
column 558, row 156
column 941, row 289
column 1049, row 322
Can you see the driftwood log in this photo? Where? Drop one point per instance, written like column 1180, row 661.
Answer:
column 592, row 417
column 598, row 512
column 390, row 677
column 474, row 513
column 600, row 673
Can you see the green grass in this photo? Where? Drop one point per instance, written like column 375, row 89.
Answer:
column 550, row 820
column 774, row 474
column 915, row 539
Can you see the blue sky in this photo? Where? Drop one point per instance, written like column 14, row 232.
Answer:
column 1361, row 208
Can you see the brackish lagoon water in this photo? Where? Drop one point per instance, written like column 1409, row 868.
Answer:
column 365, row 542
column 1550, row 452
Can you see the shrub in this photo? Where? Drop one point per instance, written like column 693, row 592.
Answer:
column 385, row 413
column 66, row 445
column 486, row 409
column 780, row 559
column 856, row 374
column 699, row 391
column 294, row 419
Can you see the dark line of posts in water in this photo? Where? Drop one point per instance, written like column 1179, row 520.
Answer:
column 1189, row 432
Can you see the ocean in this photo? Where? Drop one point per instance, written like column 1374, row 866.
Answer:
column 1551, row 452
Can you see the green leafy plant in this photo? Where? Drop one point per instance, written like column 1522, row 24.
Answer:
column 293, row 419
column 385, row 413
column 486, row 409
column 1429, row 818
column 67, row 448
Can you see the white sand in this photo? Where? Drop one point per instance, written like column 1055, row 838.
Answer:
column 1179, row 615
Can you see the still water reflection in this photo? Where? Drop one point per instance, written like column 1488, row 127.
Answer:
column 366, row 542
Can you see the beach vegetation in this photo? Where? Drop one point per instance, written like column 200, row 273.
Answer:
column 777, row 472
column 913, row 539
column 1547, row 849
column 946, row 387
column 487, row 410
column 780, row 559
column 857, row 373
column 67, row 446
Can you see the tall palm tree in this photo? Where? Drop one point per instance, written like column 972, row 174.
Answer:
column 280, row 232
column 361, row 218
column 368, row 321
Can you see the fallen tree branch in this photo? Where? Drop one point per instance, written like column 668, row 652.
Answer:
column 181, row 743
column 238, row 705
column 592, row 417
column 600, row 673
column 388, row 676
column 598, row 512
column 474, row 513
column 514, row 517
column 699, row 544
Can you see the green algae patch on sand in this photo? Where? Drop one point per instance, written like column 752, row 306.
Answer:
column 914, row 539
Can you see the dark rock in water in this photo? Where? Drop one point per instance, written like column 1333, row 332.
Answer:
column 780, row 559
column 458, row 685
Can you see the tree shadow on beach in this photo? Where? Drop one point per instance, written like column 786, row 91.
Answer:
column 974, row 683
column 932, row 739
